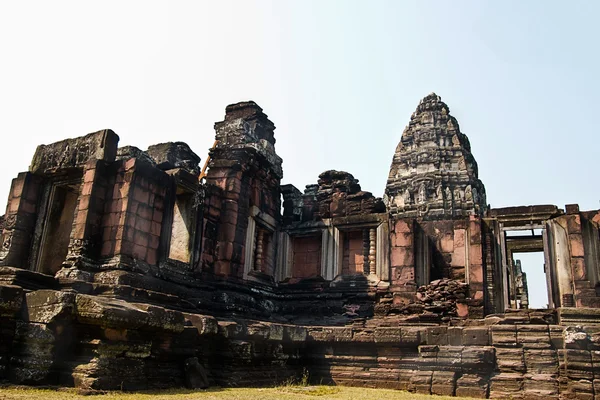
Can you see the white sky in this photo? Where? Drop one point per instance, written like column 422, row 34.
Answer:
column 339, row 79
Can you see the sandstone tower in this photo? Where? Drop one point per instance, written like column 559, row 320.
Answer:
column 433, row 173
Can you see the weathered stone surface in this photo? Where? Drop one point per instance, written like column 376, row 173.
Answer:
column 11, row 298
column 174, row 155
column 74, row 153
column 166, row 280
column 195, row 375
column 418, row 185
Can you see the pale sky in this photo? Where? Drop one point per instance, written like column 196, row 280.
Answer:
column 339, row 79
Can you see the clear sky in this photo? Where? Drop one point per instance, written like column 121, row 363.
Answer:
column 339, row 79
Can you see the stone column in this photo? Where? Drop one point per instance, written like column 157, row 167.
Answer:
column 372, row 251
column 259, row 250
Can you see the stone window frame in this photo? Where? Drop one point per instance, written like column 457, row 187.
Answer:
column 285, row 251
column 180, row 187
column 258, row 219
column 382, row 248
column 332, row 249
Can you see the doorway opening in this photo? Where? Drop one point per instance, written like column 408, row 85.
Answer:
column 528, row 281
column 58, row 224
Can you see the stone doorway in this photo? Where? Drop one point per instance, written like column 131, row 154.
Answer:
column 57, row 226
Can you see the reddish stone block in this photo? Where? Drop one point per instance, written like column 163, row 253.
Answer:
column 447, row 244
column 88, row 176
column 141, row 238
column 578, row 265
column 141, row 195
column 129, row 233
column 154, row 242
column 119, row 232
column 228, row 232
column 79, row 231
column 402, row 239
column 572, row 208
column 133, row 206
column 462, row 310
column 114, row 219
column 475, row 273
column 81, row 217
column 404, row 275
column 225, row 251
column 139, row 252
column 458, row 257
column 127, row 247
column 28, row 207
column 117, row 205
column 157, row 216
column 87, row 188
column 151, row 256
column 84, row 202
column 17, row 187
column 574, row 224
column 475, row 254
column 222, row 268
column 155, row 228
column 576, row 245
column 402, row 256
column 457, row 273
column 13, row 206
column 145, row 212
column 234, row 185
column 142, row 224
column 403, row 226
column 459, row 237
column 159, row 203
column 107, row 248
column 129, row 164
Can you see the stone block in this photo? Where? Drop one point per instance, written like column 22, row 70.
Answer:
column 476, row 336
column 510, row 360
column 45, row 306
column 70, row 153
column 443, row 383
column 437, row 335
column 472, row 385
column 576, row 242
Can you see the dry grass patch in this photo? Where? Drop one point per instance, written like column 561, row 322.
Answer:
column 284, row 392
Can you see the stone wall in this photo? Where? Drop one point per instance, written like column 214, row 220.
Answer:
column 91, row 342
column 128, row 269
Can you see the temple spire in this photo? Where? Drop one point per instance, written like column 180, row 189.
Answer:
column 433, row 173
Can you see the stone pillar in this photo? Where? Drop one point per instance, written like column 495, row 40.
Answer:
column 259, row 250
column 21, row 212
column 383, row 252
column 402, row 260
column 372, row 251
column 249, row 246
column 284, row 257
column 330, row 253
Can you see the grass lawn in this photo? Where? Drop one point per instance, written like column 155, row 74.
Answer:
column 283, row 392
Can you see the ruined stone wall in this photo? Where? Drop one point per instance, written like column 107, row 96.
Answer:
column 159, row 279
column 98, row 343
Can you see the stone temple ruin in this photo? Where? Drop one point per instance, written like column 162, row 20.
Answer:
column 125, row 269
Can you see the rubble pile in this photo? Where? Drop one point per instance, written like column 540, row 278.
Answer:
column 435, row 302
column 440, row 296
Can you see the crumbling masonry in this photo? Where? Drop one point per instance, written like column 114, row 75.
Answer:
column 121, row 269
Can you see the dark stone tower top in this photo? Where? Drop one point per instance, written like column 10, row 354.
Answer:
column 433, row 173
column 246, row 128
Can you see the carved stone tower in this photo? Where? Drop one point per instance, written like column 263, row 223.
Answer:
column 433, row 173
